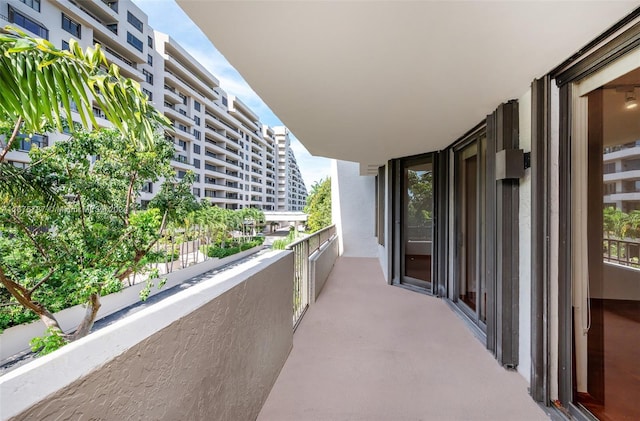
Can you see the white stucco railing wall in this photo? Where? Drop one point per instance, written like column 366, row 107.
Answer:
column 320, row 265
column 212, row 351
column 16, row 339
column 353, row 209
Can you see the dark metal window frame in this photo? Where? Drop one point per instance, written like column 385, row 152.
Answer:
column 134, row 41
column 565, row 75
column 42, row 32
column 470, row 138
column 380, row 205
column 71, row 26
column 134, row 21
column 34, row 4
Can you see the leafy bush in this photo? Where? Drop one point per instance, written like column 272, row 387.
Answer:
column 220, row 252
column 282, row 243
column 160, row 256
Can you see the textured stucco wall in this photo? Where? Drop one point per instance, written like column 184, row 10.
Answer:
column 321, row 266
column 219, row 362
column 353, row 209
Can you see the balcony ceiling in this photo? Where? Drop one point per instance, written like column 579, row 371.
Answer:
column 369, row 81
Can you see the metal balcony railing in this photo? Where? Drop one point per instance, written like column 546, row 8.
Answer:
column 302, row 249
column 622, row 252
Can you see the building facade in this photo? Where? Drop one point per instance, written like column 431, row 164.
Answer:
column 622, row 176
column 216, row 136
column 292, row 192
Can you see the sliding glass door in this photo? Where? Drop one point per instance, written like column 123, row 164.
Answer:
column 414, row 262
column 470, row 289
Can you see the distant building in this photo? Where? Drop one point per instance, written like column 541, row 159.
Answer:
column 622, row 176
column 292, row 192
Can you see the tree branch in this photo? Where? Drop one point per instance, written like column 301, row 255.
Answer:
column 26, row 230
column 41, row 281
column 141, row 253
column 89, row 318
column 127, row 207
column 12, row 139
column 21, row 294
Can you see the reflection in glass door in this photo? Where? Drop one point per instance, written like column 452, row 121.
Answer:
column 606, row 285
column 471, row 291
column 417, row 227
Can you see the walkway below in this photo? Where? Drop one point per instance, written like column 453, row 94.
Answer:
column 369, row 351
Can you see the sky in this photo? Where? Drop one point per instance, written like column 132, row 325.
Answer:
column 167, row 17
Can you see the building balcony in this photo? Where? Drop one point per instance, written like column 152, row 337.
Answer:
column 361, row 350
column 622, row 175
column 127, row 67
column 171, row 95
column 175, row 114
column 630, row 150
column 194, row 85
column 622, row 197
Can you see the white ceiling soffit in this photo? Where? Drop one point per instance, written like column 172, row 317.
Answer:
column 369, row 81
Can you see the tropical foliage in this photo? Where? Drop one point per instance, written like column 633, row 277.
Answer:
column 52, row 257
column 43, row 86
column 621, row 225
column 319, row 206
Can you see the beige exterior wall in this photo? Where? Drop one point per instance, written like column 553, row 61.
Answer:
column 218, row 362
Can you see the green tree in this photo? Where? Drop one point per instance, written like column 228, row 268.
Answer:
column 39, row 88
column 420, row 198
column 53, row 257
column 319, row 206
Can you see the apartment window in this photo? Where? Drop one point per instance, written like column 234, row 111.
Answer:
column 71, row 26
column 113, row 27
column 148, row 76
column 149, row 59
column 27, row 143
column 150, row 42
column 196, row 106
column 34, row 4
column 196, row 149
column 184, row 98
column 196, row 119
column 148, row 93
column 196, row 163
column 27, row 23
column 196, row 134
column 65, row 45
column 147, row 187
column 135, row 42
column 182, row 144
column 196, row 191
column 181, row 174
column 134, row 21
column 224, row 101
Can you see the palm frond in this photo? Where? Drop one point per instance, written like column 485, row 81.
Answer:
column 43, row 86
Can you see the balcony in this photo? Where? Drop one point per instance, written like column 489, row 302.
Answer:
column 364, row 350
column 127, row 67
column 176, row 113
column 171, row 95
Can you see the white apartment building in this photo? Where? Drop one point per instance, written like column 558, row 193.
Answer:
column 292, row 192
column 621, row 167
column 216, row 136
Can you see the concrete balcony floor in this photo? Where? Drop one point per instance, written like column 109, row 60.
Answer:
column 369, row 351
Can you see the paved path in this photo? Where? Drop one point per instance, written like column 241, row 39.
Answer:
column 369, row 351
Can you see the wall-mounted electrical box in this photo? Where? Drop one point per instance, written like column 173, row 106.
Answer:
column 509, row 164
